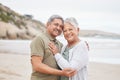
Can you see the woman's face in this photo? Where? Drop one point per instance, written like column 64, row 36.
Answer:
column 70, row 32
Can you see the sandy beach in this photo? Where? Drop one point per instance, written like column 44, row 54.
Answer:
column 18, row 67
column 15, row 61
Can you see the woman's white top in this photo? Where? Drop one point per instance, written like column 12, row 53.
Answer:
column 78, row 60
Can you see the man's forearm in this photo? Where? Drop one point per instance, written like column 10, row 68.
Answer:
column 43, row 68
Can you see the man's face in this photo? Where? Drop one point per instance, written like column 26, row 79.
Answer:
column 55, row 27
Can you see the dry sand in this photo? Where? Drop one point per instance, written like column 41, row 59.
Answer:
column 18, row 67
column 14, row 67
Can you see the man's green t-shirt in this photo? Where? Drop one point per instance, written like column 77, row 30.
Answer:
column 39, row 47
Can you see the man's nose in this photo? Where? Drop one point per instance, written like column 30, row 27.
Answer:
column 59, row 27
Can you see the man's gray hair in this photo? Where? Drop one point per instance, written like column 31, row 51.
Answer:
column 72, row 21
column 55, row 17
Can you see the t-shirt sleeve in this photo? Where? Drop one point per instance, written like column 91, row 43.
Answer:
column 37, row 47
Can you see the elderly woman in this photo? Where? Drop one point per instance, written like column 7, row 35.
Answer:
column 73, row 55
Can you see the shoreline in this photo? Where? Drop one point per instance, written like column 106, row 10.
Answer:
column 101, row 50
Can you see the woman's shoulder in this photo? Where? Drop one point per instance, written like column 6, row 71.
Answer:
column 84, row 44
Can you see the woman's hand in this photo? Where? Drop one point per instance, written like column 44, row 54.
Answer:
column 53, row 48
column 69, row 72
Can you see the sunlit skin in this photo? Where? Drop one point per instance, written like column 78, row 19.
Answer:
column 55, row 27
column 71, row 34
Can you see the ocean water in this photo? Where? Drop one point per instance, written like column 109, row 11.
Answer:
column 101, row 50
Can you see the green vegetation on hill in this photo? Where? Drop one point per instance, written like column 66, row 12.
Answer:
column 9, row 17
column 16, row 26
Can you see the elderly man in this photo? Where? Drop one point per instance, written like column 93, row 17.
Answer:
column 43, row 62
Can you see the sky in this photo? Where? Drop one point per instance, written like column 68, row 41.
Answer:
column 91, row 14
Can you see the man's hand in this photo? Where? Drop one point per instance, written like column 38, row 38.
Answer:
column 69, row 72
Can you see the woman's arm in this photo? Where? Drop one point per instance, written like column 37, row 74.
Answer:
column 78, row 58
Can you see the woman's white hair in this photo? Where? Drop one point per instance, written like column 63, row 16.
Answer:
column 72, row 21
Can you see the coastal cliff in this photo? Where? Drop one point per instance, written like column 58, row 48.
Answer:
column 16, row 26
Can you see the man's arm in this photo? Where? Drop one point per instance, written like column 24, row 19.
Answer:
column 43, row 68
